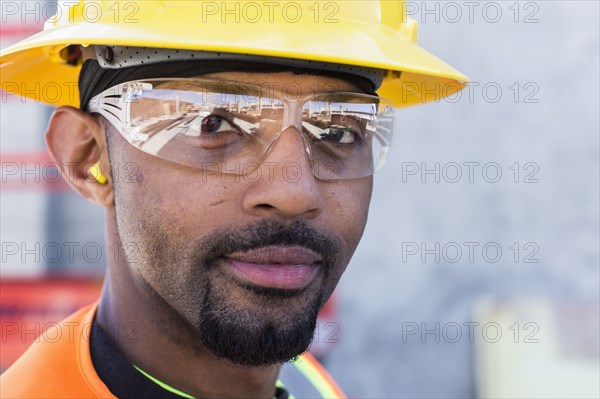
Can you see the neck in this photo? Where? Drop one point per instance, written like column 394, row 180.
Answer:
column 151, row 338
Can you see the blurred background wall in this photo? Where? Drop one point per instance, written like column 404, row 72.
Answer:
column 478, row 274
column 533, row 107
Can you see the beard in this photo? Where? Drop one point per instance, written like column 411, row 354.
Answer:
column 247, row 324
column 254, row 339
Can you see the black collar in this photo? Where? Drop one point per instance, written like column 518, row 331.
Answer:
column 121, row 378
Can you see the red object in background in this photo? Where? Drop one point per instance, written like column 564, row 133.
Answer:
column 44, row 173
column 29, row 306
column 17, row 30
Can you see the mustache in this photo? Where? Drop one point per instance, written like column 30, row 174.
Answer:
column 228, row 240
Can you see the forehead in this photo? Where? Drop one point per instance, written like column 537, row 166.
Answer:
column 283, row 81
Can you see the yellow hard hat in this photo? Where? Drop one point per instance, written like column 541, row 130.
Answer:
column 367, row 33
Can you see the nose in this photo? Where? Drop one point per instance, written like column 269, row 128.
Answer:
column 287, row 187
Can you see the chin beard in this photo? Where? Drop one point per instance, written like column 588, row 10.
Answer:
column 257, row 338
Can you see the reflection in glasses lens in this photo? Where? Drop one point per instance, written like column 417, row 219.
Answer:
column 227, row 127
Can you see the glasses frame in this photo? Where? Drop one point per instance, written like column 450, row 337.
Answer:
column 114, row 105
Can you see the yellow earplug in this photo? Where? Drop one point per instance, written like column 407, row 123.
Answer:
column 97, row 173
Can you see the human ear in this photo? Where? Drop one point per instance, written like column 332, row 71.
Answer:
column 76, row 141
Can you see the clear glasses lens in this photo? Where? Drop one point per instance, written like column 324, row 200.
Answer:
column 348, row 133
column 227, row 128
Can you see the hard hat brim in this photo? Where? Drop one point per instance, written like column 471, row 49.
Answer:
column 33, row 68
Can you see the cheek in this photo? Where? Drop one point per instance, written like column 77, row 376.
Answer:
column 184, row 200
column 346, row 212
column 348, row 205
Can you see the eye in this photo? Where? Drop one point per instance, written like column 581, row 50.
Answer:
column 339, row 134
column 216, row 124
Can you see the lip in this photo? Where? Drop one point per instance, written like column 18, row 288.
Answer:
column 284, row 267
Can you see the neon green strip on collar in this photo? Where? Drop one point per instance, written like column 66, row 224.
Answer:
column 185, row 395
column 163, row 385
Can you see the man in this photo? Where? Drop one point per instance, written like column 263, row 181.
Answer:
column 235, row 164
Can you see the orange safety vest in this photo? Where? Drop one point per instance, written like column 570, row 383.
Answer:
column 59, row 365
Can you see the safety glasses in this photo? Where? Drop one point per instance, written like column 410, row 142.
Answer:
column 229, row 127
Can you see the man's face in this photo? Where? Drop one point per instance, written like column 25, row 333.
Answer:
column 244, row 264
